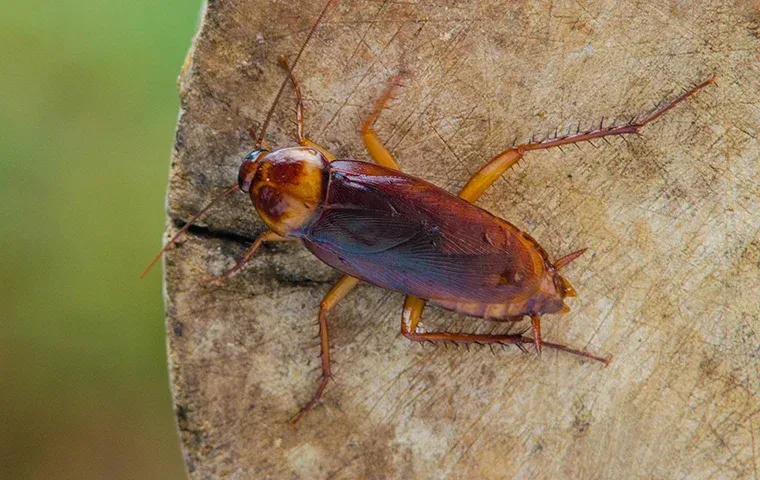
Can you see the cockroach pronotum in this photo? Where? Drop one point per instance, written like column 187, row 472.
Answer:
column 377, row 225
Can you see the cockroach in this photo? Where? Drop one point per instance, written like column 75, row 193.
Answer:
column 378, row 225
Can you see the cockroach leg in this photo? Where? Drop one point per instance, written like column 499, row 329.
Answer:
column 335, row 295
column 582, row 353
column 411, row 314
column 535, row 322
column 256, row 140
column 410, row 318
column 376, row 149
column 267, row 236
column 299, row 100
column 494, row 169
column 302, row 139
column 259, row 139
column 489, row 173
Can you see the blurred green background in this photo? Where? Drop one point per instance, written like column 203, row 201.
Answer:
column 88, row 104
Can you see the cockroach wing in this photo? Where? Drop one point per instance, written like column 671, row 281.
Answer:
column 402, row 233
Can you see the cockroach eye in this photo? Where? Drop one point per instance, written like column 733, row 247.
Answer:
column 248, row 168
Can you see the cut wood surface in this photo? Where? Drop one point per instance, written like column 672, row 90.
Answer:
column 670, row 285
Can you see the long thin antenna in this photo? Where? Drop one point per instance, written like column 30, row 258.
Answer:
column 258, row 140
column 264, row 126
column 187, row 225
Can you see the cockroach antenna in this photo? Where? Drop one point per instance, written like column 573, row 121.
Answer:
column 187, row 226
column 258, row 142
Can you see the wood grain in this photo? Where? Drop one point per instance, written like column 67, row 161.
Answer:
column 671, row 218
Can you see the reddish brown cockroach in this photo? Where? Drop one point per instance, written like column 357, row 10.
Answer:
column 378, row 225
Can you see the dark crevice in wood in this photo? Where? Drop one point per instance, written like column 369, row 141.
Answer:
column 207, row 232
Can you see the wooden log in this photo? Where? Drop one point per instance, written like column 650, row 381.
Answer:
column 671, row 218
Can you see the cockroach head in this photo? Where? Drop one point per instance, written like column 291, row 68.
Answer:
column 287, row 186
column 248, row 169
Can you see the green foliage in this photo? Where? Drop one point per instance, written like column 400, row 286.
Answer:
column 87, row 113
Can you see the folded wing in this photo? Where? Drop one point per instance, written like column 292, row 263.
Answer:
column 402, row 233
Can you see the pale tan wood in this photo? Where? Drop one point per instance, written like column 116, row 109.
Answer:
column 670, row 286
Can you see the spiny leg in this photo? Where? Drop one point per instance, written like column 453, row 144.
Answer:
column 335, row 295
column 267, row 236
column 411, row 317
column 494, row 169
column 374, row 146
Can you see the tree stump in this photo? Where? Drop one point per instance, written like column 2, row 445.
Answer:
column 670, row 286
